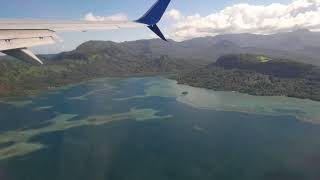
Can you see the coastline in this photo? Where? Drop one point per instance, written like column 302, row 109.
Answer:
column 30, row 93
column 247, row 93
column 170, row 76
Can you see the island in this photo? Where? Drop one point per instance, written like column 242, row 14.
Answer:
column 257, row 75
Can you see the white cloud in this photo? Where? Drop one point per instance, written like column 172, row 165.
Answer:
column 174, row 14
column 242, row 18
column 117, row 17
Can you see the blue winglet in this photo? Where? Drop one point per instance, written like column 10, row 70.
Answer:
column 153, row 16
column 156, row 30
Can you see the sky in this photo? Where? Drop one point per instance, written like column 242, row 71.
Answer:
column 184, row 19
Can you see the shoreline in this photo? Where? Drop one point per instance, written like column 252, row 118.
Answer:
column 170, row 76
column 31, row 93
column 247, row 93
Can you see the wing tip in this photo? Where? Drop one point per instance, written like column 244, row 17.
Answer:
column 157, row 31
column 153, row 16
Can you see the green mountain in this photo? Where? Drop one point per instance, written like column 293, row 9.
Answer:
column 96, row 59
column 90, row 60
column 257, row 75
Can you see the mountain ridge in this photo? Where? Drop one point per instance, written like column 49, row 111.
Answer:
column 95, row 59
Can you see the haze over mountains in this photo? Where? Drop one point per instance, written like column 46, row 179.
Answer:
column 301, row 45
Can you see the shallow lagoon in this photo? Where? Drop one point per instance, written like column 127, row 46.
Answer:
column 145, row 128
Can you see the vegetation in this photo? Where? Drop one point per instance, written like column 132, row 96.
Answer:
column 253, row 74
column 88, row 61
column 257, row 76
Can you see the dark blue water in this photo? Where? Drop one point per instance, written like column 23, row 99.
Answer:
column 189, row 144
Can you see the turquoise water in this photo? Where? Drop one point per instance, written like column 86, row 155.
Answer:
column 144, row 128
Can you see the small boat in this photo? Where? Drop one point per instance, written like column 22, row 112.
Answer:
column 184, row 93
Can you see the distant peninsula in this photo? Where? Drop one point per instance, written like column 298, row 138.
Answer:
column 257, row 75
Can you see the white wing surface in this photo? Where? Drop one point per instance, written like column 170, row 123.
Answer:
column 17, row 35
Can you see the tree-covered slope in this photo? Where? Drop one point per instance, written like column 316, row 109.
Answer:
column 90, row 60
column 257, row 75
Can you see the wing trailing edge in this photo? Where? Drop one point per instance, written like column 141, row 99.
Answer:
column 15, row 42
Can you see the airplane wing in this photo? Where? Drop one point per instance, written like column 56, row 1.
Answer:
column 16, row 36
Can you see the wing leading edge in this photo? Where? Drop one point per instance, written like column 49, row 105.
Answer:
column 17, row 35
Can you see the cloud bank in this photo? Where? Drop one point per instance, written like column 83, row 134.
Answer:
column 116, row 17
column 246, row 18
